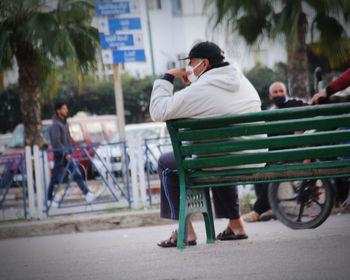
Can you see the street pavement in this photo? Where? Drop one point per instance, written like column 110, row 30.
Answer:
column 272, row 251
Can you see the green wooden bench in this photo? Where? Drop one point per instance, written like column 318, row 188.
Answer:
column 194, row 156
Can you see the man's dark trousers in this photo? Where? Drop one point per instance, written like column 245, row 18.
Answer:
column 226, row 201
column 59, row 163
column 261, row 204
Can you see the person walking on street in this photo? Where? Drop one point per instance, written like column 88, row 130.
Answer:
column 61, row 139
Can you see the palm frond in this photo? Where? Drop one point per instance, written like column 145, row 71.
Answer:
column 252, row 28
column 329, row 6
column 57, row 35
column 333, row 40
column 74, row 16
column 85, row 43
column 251, row 19
column 6, row 53
column 286, row 21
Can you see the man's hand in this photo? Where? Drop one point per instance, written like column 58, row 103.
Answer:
column 316, row 97
column 67, row 156
column 180, row 73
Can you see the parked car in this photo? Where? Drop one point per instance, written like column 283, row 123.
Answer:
column 157, row 139
column 4, row 139
column 85, row 130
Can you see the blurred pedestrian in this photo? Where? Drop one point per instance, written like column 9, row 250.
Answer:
column 61, row 139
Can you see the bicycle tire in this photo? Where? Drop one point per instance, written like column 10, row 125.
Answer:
column 298, row 209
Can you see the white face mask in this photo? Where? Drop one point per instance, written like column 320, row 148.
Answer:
column 192, row 77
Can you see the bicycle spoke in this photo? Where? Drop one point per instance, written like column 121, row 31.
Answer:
column 287, row 199
column 301, row 211
column 295, row 186
column 318, row 203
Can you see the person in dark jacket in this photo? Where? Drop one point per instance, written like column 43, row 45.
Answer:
column 61, row 139
column 261, row 208
column 279, row 96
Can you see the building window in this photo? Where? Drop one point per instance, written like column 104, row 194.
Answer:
column 154, row 4
column 177, row 7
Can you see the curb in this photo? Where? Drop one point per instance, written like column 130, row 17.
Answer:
column 91, row 222
column 82, row 223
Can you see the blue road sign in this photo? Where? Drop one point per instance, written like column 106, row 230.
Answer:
column 122, row 56
column 118, row 24
column 120, row 40
column 112, row 8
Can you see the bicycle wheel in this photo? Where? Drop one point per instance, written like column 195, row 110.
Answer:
column 301, row 204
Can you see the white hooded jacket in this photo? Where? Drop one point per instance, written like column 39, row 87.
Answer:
column 222, row 91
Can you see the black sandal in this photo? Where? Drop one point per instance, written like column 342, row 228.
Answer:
column 228, row 234
column 172, row 241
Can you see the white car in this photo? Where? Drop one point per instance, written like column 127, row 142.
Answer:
column 109, row 155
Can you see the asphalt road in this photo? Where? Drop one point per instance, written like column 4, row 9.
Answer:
column 272, row 251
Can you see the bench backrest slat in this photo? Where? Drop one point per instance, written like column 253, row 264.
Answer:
column 272, row 168
column 273, row 115
column 273, row 127
column 325, row 152
column 272, row 142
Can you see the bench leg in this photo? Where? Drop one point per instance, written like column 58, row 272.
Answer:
column 208, row 218
column 195, row 201
column 183, row 223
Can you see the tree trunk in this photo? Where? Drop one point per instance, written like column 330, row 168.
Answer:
column 298, row 74
column 29, row 96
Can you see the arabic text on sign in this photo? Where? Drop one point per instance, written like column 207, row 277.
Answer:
column 112, row 8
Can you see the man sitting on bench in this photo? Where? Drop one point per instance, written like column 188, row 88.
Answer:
column 216, row 89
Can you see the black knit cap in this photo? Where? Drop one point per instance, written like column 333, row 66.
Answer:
column 207, row 50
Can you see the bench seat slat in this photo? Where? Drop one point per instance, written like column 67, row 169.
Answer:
column 270, row 168
column 319, row 152
column 276, row 127
column 252, row 180
column 270, row 177
column 285, row 141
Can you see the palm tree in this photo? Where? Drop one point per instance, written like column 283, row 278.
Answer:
column 38, row 35
column 290, row 21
